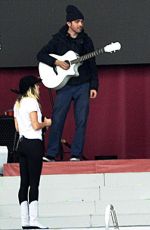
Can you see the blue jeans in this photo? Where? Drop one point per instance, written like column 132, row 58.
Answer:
column 80, row 96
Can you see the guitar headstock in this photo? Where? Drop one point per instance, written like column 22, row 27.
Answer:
column 114, row 46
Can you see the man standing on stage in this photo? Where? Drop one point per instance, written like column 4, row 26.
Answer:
column 78, row 89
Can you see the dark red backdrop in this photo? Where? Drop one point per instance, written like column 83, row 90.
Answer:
column 119, row 120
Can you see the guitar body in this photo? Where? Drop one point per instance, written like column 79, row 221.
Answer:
column 58, row 79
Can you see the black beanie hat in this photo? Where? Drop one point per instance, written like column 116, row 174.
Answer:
column 73, row 13
column 25, row 83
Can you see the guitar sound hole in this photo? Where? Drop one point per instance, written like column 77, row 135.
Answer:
column 68, row 62
column 55, row 70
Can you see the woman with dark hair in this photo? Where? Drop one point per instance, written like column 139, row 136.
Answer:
column 29, row 124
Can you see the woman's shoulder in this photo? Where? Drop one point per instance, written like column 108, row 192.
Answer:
column 29, row 100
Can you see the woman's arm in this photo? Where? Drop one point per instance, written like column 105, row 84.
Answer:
column 39, row 125
column 16, row 125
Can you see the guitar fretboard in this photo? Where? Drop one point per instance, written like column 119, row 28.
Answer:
column 87, row 56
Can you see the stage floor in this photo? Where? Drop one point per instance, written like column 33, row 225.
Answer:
column 85, row 167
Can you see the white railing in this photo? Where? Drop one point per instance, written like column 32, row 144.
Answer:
column 110, row 212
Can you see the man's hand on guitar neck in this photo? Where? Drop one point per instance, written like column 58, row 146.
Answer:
column 62, row 64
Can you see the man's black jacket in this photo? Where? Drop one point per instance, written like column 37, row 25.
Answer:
column 82, row 44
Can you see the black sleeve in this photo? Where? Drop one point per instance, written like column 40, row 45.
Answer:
column 43, row 55
column 94, row 83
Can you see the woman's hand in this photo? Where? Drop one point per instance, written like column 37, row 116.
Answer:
column 47, row 122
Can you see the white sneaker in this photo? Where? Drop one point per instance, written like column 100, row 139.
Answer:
column 46, row 159
column 74, row 159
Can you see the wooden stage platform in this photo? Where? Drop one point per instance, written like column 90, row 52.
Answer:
column 85, row 167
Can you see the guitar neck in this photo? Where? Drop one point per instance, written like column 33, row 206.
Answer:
column 88, row 56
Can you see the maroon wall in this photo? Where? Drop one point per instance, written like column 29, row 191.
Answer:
column 119, row 120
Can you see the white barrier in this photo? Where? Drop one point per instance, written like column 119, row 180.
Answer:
column 3, row 157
